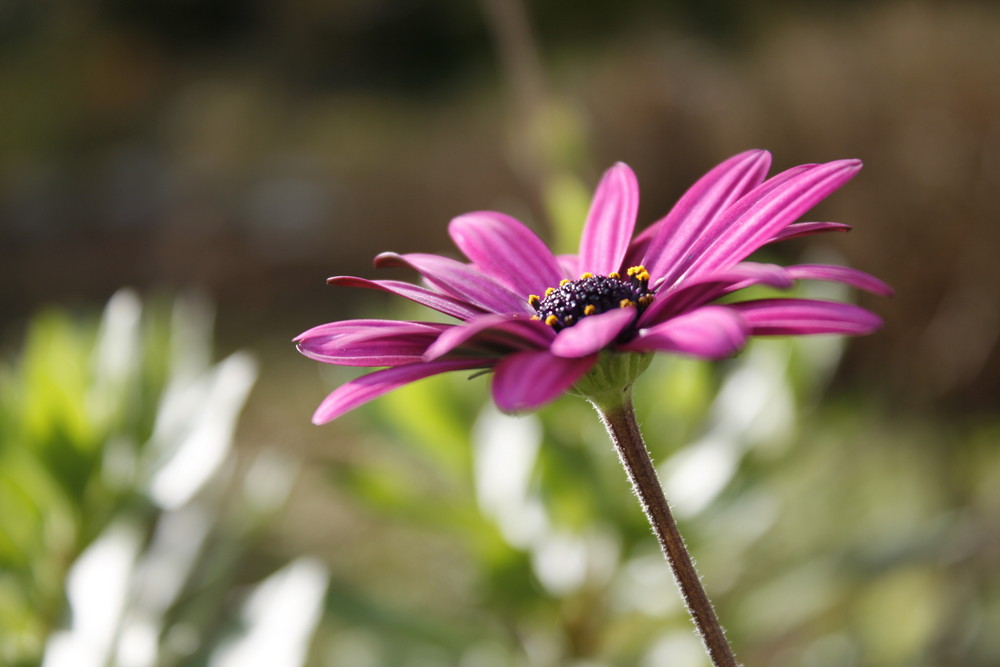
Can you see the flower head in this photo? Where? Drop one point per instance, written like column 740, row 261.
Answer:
column 541, row 323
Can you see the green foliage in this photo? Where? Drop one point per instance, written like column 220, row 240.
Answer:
column 114, row 469
column 58, row 415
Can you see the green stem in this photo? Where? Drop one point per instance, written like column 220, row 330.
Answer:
column 619, row 418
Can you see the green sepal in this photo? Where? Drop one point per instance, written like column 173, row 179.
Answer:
column 609, row 383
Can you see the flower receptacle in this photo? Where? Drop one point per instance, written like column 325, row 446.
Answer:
column 608, row 384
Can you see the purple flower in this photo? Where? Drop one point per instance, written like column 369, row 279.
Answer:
column 542, row 323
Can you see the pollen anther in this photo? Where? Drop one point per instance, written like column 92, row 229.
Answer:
column 549, row 291
column 534, row 300
column 552, row 320
column 586, row 275
column 589, row 309
column 626, row 303
column 638, row 273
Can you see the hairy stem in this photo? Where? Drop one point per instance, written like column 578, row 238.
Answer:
column 619, row 418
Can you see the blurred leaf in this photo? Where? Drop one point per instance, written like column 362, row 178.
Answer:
column 434, row 414
column 568, row 201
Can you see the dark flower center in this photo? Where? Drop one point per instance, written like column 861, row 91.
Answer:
column 572, row 300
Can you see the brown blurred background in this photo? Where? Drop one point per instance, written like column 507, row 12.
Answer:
column 251, row 148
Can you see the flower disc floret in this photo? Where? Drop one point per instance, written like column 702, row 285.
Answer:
column 572, row 300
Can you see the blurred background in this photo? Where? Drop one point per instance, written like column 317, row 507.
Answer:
column 178, row 178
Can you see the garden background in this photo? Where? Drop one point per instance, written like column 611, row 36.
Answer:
column 177, row 179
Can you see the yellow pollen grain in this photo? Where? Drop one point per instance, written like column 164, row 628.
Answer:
column 534, row 300
column 589, row 309
column 552, row 320
column 639, row 269
column 564, row 282
column 615, row 275
column 535, row 317
column 645, row 299
column 586, row 275
column 549, row 291
column 626, row 303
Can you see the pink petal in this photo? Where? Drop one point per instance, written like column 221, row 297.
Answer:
column 709, row 287
column 371, row 386
column 460, row 280
column 746, row 274
column 498, row 333
column 669, row 272
column 506, row 250
column 711, row 332
column 343, row 327
column 440, row 302
column 670, row 238
column 377, row 346
column 609, row 226
column 570, row 265
column 528, row 380
column 840, row 274
column 781, row 317
column 742, row 275
column 755, row 219
column 592, row 333
column 808, row 228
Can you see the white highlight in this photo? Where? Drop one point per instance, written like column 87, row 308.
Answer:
column 755, row 405
column 97, row 587
column 645, row 585
column 281, row 615
column 560, row 562
column 677, row 650
column 117, row 348
column 506, row 450
column 194, row 429
column 159, row 578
